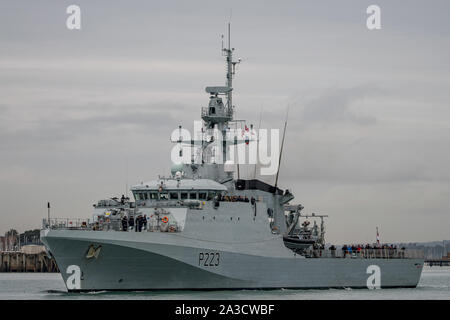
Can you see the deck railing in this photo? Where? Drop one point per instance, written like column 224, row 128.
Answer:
column 111, row 225
column 377, row 253
column 66, row 223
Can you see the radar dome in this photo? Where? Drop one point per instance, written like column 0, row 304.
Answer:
column 175, row 168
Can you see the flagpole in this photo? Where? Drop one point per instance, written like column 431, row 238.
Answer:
column 378, row 238
column 48, row 214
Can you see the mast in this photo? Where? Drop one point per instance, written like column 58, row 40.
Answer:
column 217, row 115
column 230, row 70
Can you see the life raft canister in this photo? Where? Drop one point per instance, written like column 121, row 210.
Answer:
column 165, row 220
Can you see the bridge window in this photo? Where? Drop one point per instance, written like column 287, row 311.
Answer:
column 211, row 195
column 174, row 195
column 202, row 195
column 153, row 196
column 212, row 110
column 193, row 195
column 184, row 195
column 164, row 196
column 139, row 196
column 145, row 194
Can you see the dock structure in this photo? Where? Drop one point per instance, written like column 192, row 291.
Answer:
column 443, row 262
column 437, row 262
column 17, row 261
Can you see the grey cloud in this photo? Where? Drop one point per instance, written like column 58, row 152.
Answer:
column 3, row 110
column 338, row 106
column 368, row 126
column 54, row 129
column 330, row 106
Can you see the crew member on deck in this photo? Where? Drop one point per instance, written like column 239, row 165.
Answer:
column 131, row 222
column 139, row 223
column 145, row 222
column 124, row 223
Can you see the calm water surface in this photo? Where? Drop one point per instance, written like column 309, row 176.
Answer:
column 434, row 284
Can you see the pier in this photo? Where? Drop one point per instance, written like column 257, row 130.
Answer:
column 17, row 261
column 24, row 252
column 443, row 262
column 437, row 262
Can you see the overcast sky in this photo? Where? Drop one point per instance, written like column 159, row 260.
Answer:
column 85, row 112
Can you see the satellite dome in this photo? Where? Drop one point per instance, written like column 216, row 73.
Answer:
column 175, row 168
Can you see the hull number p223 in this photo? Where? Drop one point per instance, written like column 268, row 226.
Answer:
column 209, row 259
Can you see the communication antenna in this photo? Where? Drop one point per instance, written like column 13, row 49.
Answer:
column 281, row 149
column 229, row 35
column 126, row 180
column 236, row 155
column 257, row 141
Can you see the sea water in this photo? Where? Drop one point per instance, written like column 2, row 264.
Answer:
column 434, row 284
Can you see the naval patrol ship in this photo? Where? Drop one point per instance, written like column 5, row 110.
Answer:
column 203, row 227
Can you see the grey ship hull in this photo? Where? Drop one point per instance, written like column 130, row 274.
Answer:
column 153, row 261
